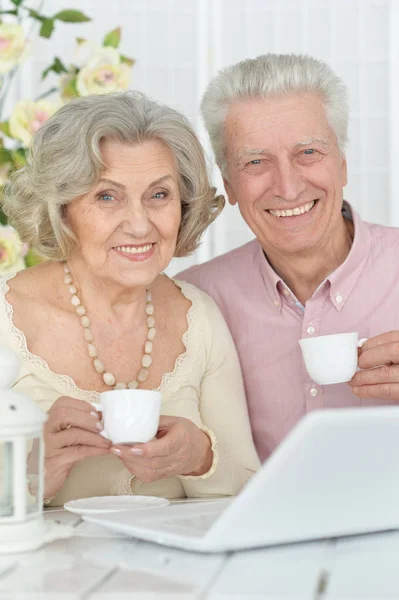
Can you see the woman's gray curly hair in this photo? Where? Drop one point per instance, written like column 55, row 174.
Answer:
column 65, row 162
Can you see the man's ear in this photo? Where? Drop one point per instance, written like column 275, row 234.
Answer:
column 344, row 168
column 229, row 191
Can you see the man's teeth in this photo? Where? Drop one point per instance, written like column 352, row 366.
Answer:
column 296, row 211
column 133, row 249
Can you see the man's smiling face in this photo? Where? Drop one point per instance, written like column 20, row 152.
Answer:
column 285, row 171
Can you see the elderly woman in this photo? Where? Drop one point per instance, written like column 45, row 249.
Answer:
column 115, row 187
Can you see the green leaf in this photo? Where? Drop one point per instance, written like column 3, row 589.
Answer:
column 31, row 259
column 5, row 128
column 57, row 67
column 19, row 157
column 17, row 2
column 113, row 38
column 71, row 16
column 80, row 40
column 35, row 15
column 47, row 28
column 127, row 60
column 5, row 156
column 9, row 12
column 3, row 218
column 69, row 90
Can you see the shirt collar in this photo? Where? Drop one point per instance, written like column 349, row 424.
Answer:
column 341, row 281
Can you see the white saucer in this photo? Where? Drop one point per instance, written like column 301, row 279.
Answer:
column 106, row 504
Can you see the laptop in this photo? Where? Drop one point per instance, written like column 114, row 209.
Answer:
column 335, row 474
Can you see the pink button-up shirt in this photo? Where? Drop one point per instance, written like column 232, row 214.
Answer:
column 267, row 321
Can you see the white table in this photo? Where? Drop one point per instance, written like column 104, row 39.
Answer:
column 96, row 564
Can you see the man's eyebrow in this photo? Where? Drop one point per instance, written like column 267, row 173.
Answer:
column 313, row 140
column 248, row 152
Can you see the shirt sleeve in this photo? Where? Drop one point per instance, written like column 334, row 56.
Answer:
column 224, row 414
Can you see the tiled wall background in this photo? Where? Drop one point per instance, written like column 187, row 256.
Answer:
column 180, row 44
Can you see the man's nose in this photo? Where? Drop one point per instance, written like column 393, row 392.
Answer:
column 288, row 182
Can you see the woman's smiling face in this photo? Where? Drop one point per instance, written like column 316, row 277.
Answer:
column 127, row 226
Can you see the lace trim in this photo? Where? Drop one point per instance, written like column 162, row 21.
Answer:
column 170, row 381
column 215, row 461
column 122, row 485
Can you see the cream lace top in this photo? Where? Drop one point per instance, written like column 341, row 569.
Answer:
column 205, row 386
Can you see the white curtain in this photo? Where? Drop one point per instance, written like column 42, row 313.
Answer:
column 180, row 44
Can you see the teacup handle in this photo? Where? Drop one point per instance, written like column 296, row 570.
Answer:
column 97, row 406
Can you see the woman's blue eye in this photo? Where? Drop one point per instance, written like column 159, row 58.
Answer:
column 106, row 197
column 159, row 195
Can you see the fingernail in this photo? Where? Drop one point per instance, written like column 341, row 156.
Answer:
column 136, row 451
column 116, row 451
column 99, row 426
column 94, row 414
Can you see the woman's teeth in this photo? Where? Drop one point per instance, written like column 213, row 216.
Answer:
column 134, row 249
column 299, row 210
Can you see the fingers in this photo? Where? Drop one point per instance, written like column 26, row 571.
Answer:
column 71, row 455
column 62, row 417
column 383, row 354
column 75, row 436
column 380, row 340
column 381, row 382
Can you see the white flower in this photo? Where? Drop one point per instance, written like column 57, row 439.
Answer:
column 14, row 46
column 28, row 116
column 12, row 250
column 103, row 72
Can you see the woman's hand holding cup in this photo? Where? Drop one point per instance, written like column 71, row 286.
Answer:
column 71, row 434
column 180, row 448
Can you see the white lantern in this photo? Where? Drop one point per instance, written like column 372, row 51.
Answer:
column 21, row 464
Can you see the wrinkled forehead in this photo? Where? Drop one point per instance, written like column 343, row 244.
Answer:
column 283, row 122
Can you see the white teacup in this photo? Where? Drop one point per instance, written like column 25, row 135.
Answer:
column 129, row 416
column 331, row 358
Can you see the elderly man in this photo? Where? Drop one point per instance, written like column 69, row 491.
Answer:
column 278, row 126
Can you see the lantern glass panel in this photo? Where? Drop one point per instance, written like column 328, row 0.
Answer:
column 6, row 479
column 33, row 462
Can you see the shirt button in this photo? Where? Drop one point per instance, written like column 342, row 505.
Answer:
column 314, row 391
column 310, row 330
column 339, row 298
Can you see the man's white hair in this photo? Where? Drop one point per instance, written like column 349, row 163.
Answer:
column 269, row 76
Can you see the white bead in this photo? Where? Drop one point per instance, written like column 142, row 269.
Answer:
column 143, row 374
column 85, row 321
column 149, row 309
column 80, row 310
column 152, row 332
column 314, row 391
column 88, row 335
column 146, row 360
column 148, row 347
column 109, row 379
column 150, row 321
column 68, row 279
column 132, row 385
column 120, row 386
column 72, row 289
column 75, row 300
column 98, row 365
column 92, row 350
column 66, row 268
column 149, row 296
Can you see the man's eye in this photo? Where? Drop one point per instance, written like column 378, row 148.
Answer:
column 256, row 161
column 309, row 151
